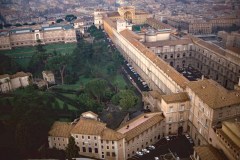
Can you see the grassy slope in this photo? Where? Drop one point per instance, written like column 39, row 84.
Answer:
column 22, row 55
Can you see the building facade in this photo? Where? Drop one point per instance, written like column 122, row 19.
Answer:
column 49, row 77
column 11, row 82
column 209, row 103
column 229, row 139
column 95, row 140
column 31, row 37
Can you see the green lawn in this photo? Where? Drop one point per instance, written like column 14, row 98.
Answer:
column 29, row 50
column 120, row 82
column 70, row 107
column 22, row 55
column 71, row 96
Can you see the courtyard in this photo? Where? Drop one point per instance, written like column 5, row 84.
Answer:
column 176, row 147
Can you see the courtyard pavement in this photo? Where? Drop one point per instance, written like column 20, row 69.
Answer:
column 178, row 145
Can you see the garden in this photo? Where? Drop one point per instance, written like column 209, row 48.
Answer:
column 89, row 77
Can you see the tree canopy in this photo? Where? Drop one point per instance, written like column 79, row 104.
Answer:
column 72, row 149
column 96, row 88
column 59, row 63
column 70, row 17
column 8, row 65
column 125, row 98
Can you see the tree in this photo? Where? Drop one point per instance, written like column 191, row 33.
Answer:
column 59, row 63
column 97, row 88
column 70, row 17
column 72, row 149
column 59, row 20
column 18, row 25
column 127, row 99
column 8, row 65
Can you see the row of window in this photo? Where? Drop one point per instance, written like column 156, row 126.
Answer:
column 87, row 137
column 233, row 149
column 181, row 108
column 7, row 46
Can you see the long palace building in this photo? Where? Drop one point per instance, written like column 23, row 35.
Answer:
column 178, row 105
column 19, row 37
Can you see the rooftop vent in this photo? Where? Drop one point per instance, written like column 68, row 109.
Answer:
column 145, row 116
column 203, row 87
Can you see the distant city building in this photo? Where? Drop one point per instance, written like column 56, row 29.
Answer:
column 230, row 40
column 202, row 26
column 30, row 37
column 83, row 24
column 128, row 13
column 11, row 82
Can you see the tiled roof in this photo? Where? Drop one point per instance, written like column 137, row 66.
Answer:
column 20, row 74
column 61, row 129
column 140, row 124
column 155, row 94
column 176, row 97
column 4, row 76
column 166, row 68
column 168, row 43
column 110, row 22
column 208, row 152
column 113, row 14
column 48, row 72
column 88, row 127
column 213, row 94
column 111, row 135
column 215, row 49
column 84, row 126
column 157, row 24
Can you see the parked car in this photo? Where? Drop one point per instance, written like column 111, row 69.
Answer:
column 167, row 138
column 139, row 153
column 156, row 158
column 151, row 147
column 145, row 151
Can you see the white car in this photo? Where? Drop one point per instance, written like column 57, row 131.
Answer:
column 167, row 138
column 145, row 151
column 156, row 158
column 150, row 147
column 187, row 136
column 139, row 153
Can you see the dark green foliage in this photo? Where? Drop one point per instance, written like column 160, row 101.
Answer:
column 125, row 98
column 8, row 65
column 59, row 63
column 72, row 149
column 89, row 103
column 18, row 25
column 7, row 25
column 70, row 17
column 96, row 33
column 59, row 20
column 31, row 118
